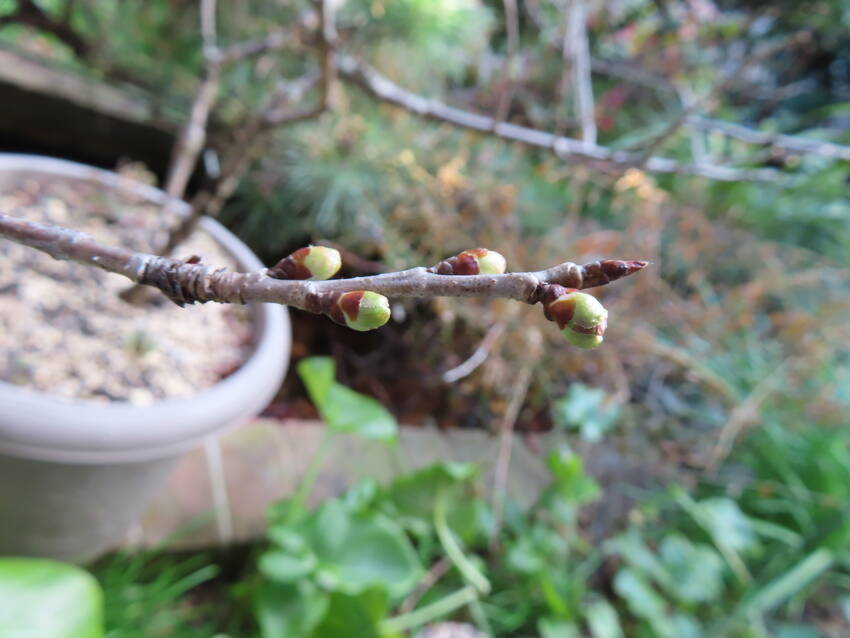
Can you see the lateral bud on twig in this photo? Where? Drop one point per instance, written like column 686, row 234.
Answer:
column 359, row 309
column 477, row 261
column 311, row 262
column 581, row 318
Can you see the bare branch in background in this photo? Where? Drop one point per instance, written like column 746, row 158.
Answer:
column 579, row 48
column 478, row 357
column 191, row 140
column 188, row 281
column 509, row 70
column 777, row 140
column 327, row 43
column 566, row 148
column 706, row 102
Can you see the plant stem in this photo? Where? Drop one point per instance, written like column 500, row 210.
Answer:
column 305, row 486
column 426, row 614
column 467, row 569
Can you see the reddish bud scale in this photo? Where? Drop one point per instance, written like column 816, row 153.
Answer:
column 344, row 304
column 292, row 267
column 471, row 262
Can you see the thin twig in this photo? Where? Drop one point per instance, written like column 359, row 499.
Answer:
column 580, row 58
column 191, row 140
column 189, row 281
column 478, row 357
column 509, row 70
column 506, row 432
column 384, row 89
column 742, row 415
column 431, row 578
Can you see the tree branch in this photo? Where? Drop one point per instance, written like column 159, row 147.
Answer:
column 566, row 148
column 193, row 135
column 187, row 281
column 777, row 140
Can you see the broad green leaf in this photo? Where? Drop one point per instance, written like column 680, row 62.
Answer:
column 281, row 567
column 413, row 496
column 343, row 409
column 643, row 601
column 696, row 571
column 602, row 620
column 631, row 548
column 586, row 409
column 289, row 611
column 569, row 478
column 318, row 374
column 47, row 599
column 724, row 520
column 354, row 615
column 361, row 550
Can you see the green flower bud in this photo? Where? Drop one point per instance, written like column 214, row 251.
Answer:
column 581, row 318
column 361, row 310
column 477, row 261
column 491, row 263
column 312, row 262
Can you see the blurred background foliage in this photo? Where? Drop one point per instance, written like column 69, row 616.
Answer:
column 726, row 368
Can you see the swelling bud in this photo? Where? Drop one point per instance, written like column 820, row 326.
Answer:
column 477, row 261
column 312, row 262
column 360, row 310
column 581, row 318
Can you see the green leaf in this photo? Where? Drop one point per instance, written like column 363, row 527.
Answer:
column 780, row 589
column 354, row 615
column 343, row 409
column 348, row 411
column 587, row 409
column 361, row 550
column 285, row 568
column 696, row 571
column 318, row 374
column 723, row 519
column 602, row 620
column 46, row 599
column 570, row 481
column 413, row 497
column 289, row 611
column 631, row 548
column 643, row 601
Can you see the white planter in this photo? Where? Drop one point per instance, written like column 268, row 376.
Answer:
column 75, row 474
